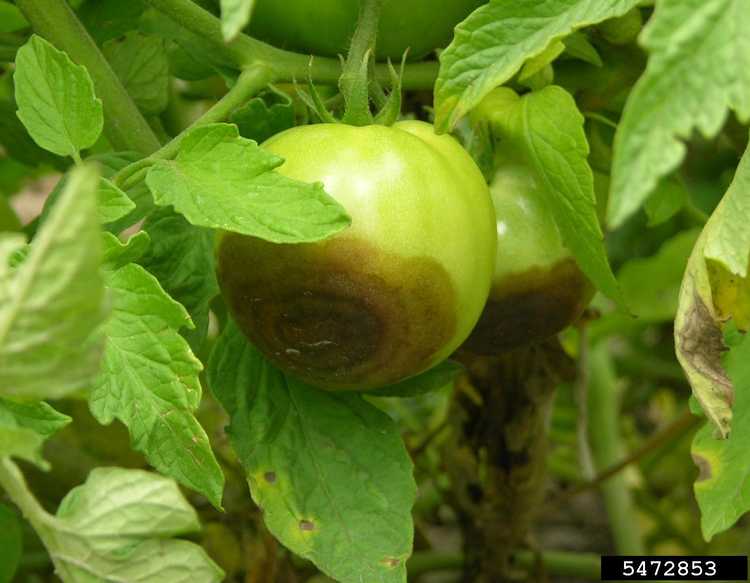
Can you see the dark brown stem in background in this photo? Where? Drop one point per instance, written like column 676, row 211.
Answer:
column 497, row 460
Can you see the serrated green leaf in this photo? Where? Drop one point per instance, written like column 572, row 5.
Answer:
column 730, row 244
column 492, row 44
column 25, row 426
column 118, row 254
column 547, row 128
column 721, row 487
column 149, row 381
column 235, row 14
column 328, row 469
column 716, row 289
column 113, row 202
column 698, row 69
column 53, row 305
column 11, row 543
column 651, row 285
column 666, row 201
column 578, row 46
column 56, row 99
column 191, row 280
column 264, row 116
column 139, row 194
column 432, row 380
column 140, row 61
column 535, row 64
column 222, row 181
column 115, row 527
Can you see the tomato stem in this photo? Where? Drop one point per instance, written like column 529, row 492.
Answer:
column 124, row 125
column 287, row 66
column 354, row 82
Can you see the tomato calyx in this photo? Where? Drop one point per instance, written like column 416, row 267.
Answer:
column 357, row 86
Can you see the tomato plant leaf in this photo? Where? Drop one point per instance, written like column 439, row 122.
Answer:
column 139, row 194
column 651, row 285
column 118, row 527
column 235, row 14
column 328, row 469
column 25, row 426
column 149, row 381
column 669, row 198
column 492, row 44
column 53, row 304
column 56, row 99
column 721, row 487
column 112, row 203
column 118, row 253
column 578, row 46
column 191, row 280
column 222, row 181
column 263, row 116
column 140, row 62
column 698, row 69
column 547, row 126
column 716, row 289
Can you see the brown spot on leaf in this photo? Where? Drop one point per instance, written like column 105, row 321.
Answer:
column 704, row 467
column 341, row 313
column 306, row 525
column 392, row 562
column 702, row 345
column 531, row 307
column 270, row 477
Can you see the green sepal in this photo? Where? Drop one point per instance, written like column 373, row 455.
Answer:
column 390, row 112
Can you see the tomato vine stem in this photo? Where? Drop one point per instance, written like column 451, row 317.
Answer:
column 246, row 51
column 14, row 484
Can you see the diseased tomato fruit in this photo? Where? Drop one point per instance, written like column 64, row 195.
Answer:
column 393, row 294
column 325, row 27
column 538, row 288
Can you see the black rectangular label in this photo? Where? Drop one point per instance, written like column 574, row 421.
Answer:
column 664, row 568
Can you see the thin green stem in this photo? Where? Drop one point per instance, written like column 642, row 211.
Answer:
column 607, row 449
column 124, row 125
column 558, row 563
column 245, row 51
column 354, row 82
column 14, row 484
column 250, row 82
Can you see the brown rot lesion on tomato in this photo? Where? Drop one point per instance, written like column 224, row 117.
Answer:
column 340, row 313
column 531, row 307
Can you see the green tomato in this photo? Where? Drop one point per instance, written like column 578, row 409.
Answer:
column 538, row 288
column 396, row 292
column 325, row 27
